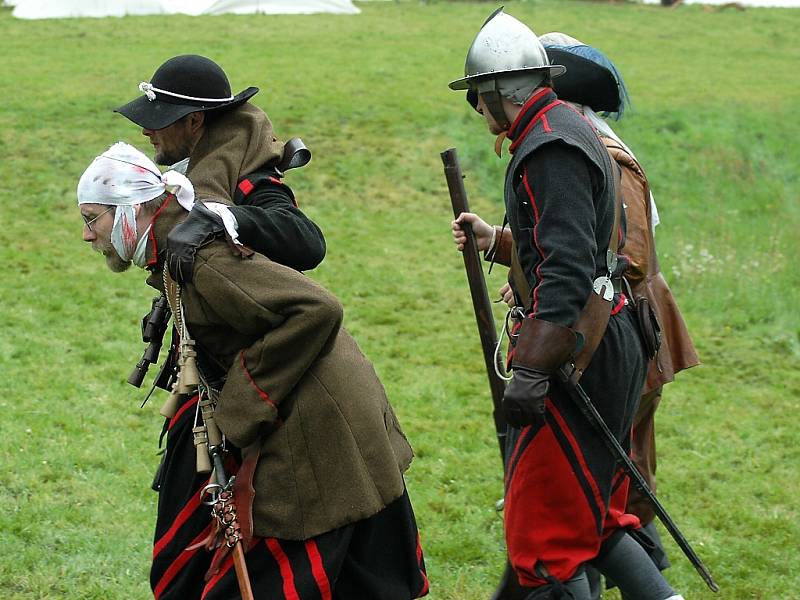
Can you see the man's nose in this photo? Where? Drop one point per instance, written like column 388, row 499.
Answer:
column 88, row 234
column 147, row 132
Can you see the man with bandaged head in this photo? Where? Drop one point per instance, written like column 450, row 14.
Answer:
column 229, row 151
column 565, row 495
column 270, row 383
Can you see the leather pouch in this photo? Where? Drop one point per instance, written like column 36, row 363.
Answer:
column 649, row 327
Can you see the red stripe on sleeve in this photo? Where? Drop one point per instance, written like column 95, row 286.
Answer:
column 536, row 245
column 289, row 591
column 318, row 570
column 264, row 396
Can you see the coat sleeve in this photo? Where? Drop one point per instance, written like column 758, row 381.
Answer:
column 558, row 221
column 291, row 320
column 271, row 224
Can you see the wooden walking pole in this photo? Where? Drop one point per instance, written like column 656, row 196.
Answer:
column 480, row 296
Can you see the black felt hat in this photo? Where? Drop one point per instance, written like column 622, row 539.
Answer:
column 591, row 78
column 182, row 85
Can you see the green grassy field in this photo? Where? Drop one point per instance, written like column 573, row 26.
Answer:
column 715, row 124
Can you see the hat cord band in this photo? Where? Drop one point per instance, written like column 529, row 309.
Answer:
column 150, row 91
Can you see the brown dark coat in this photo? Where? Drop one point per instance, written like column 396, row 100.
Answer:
column 332, row 451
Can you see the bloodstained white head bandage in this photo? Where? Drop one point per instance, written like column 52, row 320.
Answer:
column 123, row 177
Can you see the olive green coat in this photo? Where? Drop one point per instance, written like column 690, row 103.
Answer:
column 338, row 454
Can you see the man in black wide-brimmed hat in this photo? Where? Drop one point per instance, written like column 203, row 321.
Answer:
column 227, row 148
column 321, row 511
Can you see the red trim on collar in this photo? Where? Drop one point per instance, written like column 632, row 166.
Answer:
column 530, row 102
column 153, row 261
column 533, row 122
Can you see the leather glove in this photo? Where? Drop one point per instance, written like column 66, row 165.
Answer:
column 523, row 399
column 183, row 241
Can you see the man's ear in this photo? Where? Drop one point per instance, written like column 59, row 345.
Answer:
column 196, row 121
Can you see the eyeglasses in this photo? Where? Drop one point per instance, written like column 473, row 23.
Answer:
column 88, row 222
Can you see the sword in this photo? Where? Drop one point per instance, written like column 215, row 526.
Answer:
column 584, row 403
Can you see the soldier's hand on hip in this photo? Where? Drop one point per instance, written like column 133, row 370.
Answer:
column 524, row 397
column 482, row 230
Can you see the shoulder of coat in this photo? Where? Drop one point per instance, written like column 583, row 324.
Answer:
column 621, row 156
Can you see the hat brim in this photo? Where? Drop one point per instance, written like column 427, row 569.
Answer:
column 585, row 81
column 158, row 114
column 467, row 82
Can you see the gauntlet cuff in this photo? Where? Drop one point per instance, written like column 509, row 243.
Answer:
column 543, row 346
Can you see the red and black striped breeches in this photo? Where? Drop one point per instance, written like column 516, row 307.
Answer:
column 564, row 491
column 379, row 557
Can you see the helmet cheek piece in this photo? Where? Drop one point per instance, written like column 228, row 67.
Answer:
column 487, row 89
column 472, row 99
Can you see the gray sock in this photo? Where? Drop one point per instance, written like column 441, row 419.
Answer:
column 624, row 561
column 595, row 582
column 579, row 586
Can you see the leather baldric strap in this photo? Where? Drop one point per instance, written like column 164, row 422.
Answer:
column 593, row 319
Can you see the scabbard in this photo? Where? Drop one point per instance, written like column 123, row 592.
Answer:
column 238, row 549
column 584, row 403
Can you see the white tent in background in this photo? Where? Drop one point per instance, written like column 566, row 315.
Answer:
column 246, row 7
column 56, row 9
column 274, row 7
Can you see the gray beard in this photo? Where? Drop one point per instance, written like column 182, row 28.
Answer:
column 115, row 262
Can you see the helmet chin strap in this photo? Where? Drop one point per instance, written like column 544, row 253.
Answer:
column 489, row 92
column 493, row 101
column 498, row 143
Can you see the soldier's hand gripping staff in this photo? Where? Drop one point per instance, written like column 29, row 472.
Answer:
column 563, row 507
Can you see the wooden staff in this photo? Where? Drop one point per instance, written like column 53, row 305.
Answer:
column 480, row 296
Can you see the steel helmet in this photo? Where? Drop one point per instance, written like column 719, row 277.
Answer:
column 506, row 59
column 504, row 45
